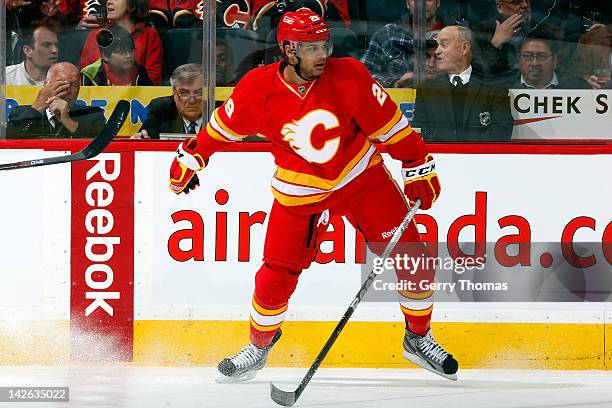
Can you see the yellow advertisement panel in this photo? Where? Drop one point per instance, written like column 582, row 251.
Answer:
column 106, row 97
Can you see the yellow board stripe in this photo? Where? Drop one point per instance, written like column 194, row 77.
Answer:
column 378, row 344
column 552, row 346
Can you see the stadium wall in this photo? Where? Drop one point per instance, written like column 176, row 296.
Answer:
column 102, row 262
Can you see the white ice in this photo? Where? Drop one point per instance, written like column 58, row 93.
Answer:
column 129, row 386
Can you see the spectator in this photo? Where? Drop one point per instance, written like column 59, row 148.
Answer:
column 538, row 68
column 497, row 40
column 117, row 65
column 594, row 56
column 54, row 113
column 37, row 10
column 181, row 112
column 223, row 56
column 131, row 15
column 22, row 15
column 390, row 54
column 431, row 66
column 458, row 106
column 40, row 49
column 85, row 14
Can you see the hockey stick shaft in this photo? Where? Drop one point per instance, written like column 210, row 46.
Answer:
column 97, row 145
column 289, row 398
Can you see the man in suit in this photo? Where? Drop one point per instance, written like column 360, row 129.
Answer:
column 179, row 113
column 54, row 113
column 458, row 106
column 539, row 68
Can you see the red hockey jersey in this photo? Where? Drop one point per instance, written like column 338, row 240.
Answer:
column 323, row 133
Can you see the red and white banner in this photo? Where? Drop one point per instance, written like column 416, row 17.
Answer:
column 561, row 114
column 102, row 258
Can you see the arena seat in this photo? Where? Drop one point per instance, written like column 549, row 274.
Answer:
column 71, row 44
column 183, row 46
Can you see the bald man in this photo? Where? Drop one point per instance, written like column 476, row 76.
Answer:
column 54, row 114
column 457, row 106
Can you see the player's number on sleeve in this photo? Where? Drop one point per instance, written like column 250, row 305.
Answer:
column 379, row 93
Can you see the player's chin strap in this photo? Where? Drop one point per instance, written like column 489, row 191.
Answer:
column 296, row 68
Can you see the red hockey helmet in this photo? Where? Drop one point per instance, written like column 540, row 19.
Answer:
column 303, row 25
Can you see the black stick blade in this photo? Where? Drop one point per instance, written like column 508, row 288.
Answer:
column 97, row 145
column 284, row 398
column 110, row 130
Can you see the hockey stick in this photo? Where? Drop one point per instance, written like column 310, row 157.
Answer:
column 288, row 398
column 108, row 132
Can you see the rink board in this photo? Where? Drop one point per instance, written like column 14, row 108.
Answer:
column 176, row 311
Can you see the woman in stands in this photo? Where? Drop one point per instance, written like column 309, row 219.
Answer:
column 131, row 15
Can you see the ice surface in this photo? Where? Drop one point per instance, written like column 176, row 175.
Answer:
column 130, row 386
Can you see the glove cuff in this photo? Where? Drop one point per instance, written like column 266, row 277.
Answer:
column 422, row 170
column 188, row 157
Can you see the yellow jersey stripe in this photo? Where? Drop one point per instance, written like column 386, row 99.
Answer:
column 216, row 135
column 398, row 136
column 308, row 180
column 224, row 127
column 383, row 130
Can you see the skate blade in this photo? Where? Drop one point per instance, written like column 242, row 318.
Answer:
column 421, row 363
column 224, row 379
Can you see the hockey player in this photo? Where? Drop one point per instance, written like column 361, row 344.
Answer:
column 325, row 118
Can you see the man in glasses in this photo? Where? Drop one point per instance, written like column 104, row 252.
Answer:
column 538, row 68
column 179, row 113
column 497, row 40
column 324, row 118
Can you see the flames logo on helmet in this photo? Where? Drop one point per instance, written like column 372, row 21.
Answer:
column 92, row 7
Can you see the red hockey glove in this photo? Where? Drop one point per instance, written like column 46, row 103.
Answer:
column 421, row 180
column 183, row 176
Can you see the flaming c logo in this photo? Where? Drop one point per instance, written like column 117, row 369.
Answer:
column 298, row 134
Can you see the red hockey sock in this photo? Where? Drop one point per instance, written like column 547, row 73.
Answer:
column 418, row 324
column 417, row 316
column 265, row 322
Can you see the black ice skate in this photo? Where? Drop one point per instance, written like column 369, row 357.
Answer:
column 425, row 352
column 244, row 365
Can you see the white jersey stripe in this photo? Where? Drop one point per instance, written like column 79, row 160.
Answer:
column 400, row 125
column 213, row 123
column 295, row 190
